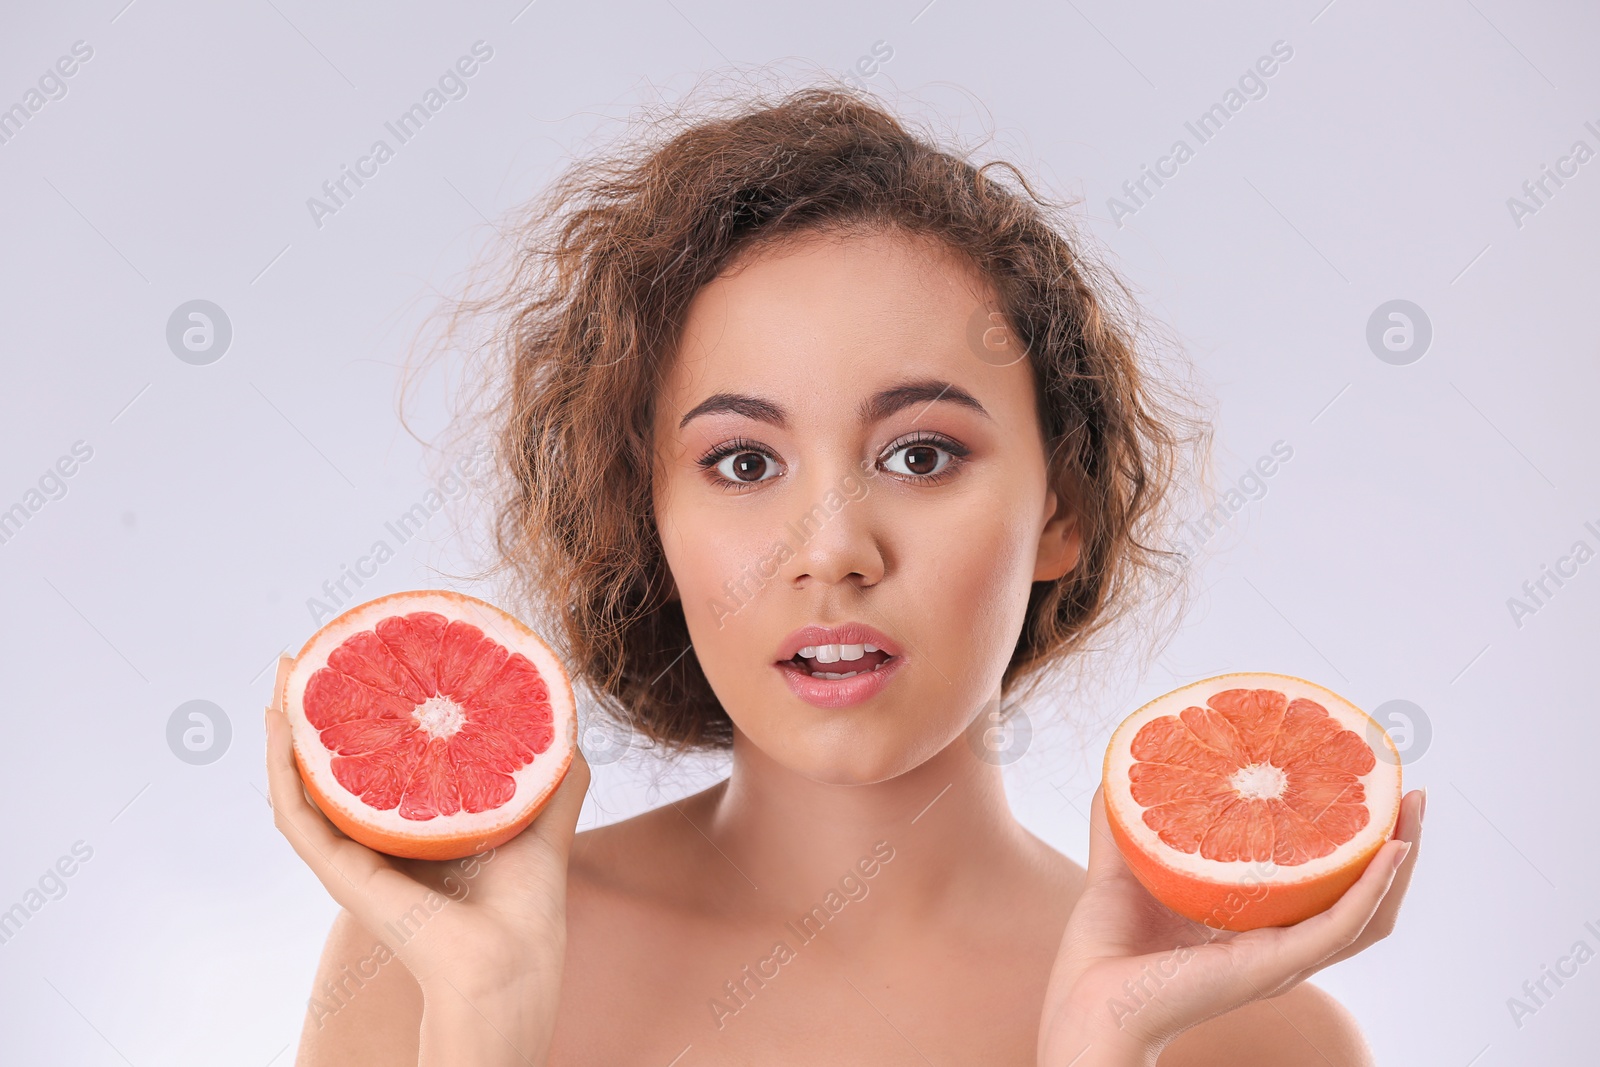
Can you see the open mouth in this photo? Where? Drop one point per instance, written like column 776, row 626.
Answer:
column 837, row 662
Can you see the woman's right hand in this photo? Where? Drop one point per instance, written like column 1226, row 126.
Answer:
column 484, row 937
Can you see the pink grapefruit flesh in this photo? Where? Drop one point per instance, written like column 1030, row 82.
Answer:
column 429, row 724
column 1250, row 799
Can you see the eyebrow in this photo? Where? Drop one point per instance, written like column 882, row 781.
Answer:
column 875, row 408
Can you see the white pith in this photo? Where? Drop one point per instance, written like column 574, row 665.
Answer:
column 440, row 716
column 533, row 781
column 1259, row 781
column 1381, row 785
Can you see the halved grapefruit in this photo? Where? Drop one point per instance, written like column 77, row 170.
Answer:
column 429, row 724
column 1251, row 799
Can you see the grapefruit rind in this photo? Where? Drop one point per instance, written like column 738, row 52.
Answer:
column 441, row 837
column 1248, row 894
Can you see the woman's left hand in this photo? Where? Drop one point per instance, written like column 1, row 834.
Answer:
column 1132, row 975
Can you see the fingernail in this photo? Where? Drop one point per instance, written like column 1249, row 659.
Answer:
column 1400, row 856
column 1422, row 806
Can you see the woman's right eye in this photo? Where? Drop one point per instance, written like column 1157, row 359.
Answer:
column 747, row 467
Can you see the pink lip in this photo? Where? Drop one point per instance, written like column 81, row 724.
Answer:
column 837, row 692
column 850, row 633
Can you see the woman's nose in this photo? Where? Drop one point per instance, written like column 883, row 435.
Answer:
column 834, row 532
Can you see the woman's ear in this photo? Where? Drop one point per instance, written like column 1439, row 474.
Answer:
column 1061, row 542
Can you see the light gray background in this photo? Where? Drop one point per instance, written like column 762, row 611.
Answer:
column 218, row 498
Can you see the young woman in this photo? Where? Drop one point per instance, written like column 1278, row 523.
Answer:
column 822, row 443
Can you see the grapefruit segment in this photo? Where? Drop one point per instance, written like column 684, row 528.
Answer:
column 429, row 724
column 1250, row 799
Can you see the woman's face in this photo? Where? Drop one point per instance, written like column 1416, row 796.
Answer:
column 836, row 447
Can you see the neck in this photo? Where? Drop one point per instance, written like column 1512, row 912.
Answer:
column 947, row 823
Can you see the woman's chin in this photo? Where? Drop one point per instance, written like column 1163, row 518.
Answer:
column 848, row 758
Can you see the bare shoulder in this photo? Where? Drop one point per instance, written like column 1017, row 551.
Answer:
column 647, row 856
column 605, row 856
column 1305, row 1027
column 1054, row 866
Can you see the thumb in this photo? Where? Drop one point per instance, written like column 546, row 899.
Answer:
column 1106, row 864
column 558, row 821
column 285, row 664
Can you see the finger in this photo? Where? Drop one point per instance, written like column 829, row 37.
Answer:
column 341, row 864
column 556, row 824
column 1106, row 864
column 1383, row 921
column 1308, row 945
column 536, row 860
column 280, row 683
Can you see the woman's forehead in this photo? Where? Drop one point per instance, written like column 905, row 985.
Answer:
column 845, row 311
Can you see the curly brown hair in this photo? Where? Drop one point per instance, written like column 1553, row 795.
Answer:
column 588, row 317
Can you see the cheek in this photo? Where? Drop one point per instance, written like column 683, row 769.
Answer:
column 977, row 574
column 720, row 567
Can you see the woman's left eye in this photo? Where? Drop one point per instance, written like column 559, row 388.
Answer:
column 920, row 459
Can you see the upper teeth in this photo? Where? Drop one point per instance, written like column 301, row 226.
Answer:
column 835, row 653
